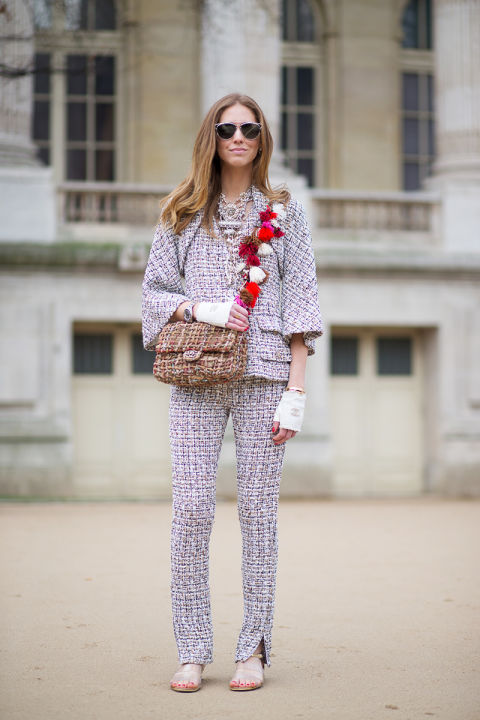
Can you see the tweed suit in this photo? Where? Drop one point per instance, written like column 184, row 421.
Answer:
column 191, row 266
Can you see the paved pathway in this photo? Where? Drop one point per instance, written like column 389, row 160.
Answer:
column 377, row 614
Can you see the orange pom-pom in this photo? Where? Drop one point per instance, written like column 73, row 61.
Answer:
column 247, row 297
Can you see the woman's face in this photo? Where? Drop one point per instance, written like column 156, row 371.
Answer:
column 237, row 152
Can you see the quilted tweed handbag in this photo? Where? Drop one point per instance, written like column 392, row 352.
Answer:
column 198, row 354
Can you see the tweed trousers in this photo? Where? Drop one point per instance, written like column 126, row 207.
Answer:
column 198, row 417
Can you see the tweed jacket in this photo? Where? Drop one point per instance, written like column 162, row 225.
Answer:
column 191, row 266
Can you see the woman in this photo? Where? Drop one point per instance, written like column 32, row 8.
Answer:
column 269, row 290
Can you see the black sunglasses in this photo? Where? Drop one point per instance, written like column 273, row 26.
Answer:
column 227, row 130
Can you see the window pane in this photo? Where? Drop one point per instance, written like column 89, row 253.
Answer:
column 306, row 167
column 41, row 81
column 410, row 136
column 305, row 21
column 428, row 25
column 76, row 165
column 76, row 14
column 104, row 75
column 283, row 134
column 43, row 154
column 285, row 23
column 76, row 74
column 344, row 356
column 424, row 172
column 284, row 86
column 430, row 96
column 76, row 121
column 41, row 120
column 411, row 176
column 410, row 91
column 394, row 356
column 104, row 165
column 142, row 360
column 104, row 121
column 105, row 15
column 93, row 354
column 42, row 14
column 431, row 137
column 410, row 25
column 305, row 131
column 305, row 86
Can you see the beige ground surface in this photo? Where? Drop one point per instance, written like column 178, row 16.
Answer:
column 377, row 613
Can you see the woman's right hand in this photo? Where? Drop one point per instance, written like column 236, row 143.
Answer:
column 238, row 318
column 225, row 314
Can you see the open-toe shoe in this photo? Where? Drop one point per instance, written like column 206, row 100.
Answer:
column 248, row 674
column 188, row 678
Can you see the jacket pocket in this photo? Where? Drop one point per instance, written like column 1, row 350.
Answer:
column 272, row 344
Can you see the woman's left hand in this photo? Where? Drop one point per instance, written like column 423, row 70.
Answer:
column 288, row 416
column 281, row 436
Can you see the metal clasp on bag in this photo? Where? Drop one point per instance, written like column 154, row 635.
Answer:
column 192, row 355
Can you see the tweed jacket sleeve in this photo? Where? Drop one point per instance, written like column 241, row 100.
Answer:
column 162, row 290
column 300, row 305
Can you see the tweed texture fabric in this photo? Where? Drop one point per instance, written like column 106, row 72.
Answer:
column 191, row 266
column 198, row 417
column 194, row 354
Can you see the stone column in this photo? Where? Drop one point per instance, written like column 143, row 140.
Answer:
column 457, row 99
column 241, row 53
column 27, row 199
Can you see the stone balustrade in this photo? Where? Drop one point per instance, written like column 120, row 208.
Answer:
column 129, row 204
column 333, row 211
column 412, row 212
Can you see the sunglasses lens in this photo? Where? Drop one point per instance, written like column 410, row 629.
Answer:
column 226, row 130
column 250, row 130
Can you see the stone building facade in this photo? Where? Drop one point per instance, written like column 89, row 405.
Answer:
column 375, row 109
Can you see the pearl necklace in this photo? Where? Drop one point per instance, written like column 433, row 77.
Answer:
column 231, row 218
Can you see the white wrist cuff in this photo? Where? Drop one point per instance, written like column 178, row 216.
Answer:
column 289, row 412
column 213, row 313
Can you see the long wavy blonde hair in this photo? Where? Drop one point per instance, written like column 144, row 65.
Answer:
column 202, row 186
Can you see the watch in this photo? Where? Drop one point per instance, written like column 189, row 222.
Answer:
column 188, row 313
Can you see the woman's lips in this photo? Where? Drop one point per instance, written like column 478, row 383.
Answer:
column 237, row 151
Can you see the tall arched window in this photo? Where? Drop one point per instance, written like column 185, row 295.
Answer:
column 75, row 88
column 417, row 99
column 302, row 87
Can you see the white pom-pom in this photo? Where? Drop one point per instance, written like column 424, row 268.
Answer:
column 264, row 249
column 279, row 209
column 257, row 275
column 240, row 266
column 274, row 222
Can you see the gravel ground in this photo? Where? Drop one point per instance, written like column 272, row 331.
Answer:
column 377, row 613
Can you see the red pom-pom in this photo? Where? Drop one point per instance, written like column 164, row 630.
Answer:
column 278, row 233
column 245, row 249
column 253, row 288
column 265, row 234
column 267, row 215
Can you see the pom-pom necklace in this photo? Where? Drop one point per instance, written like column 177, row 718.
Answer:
column 258, row 243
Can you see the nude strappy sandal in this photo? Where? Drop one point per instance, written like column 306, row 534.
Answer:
column 188, row 678
column 244, row 674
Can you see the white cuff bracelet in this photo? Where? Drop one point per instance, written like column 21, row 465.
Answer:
column 213, row 313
